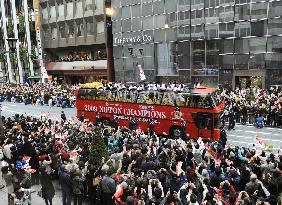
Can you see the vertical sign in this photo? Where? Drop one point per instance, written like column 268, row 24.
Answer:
column 38, row 37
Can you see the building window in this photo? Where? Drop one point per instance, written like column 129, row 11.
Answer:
column 52, row 12
column 54, row 33
column 70, row 29
column 62, row 31
column 45, row 13
column 61, row 10
column 70, row 9
column 100, row 27
column 88, row 5
column 99, row 4
column 79, row 10
column 79, row 28
column 90, row 26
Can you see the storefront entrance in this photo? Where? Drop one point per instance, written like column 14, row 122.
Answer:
column 248, row 78
column 244, row 82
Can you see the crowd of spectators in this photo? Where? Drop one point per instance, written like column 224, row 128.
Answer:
column 51, row 94
column 245, row 105
column 141, row 168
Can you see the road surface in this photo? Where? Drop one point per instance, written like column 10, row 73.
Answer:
column 243, row 135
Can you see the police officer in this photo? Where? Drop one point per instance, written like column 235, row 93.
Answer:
column 183, row 134
column 115, row 123
column 132, row 124
column 63, row 117
column 81, row 117
column 97, row 120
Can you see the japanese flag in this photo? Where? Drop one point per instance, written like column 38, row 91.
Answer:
column 259, row 142
column 73, row 155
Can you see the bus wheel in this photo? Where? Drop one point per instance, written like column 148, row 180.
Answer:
column 105, row 121
column 175, row 132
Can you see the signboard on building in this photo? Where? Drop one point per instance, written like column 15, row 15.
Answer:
column 38, row 37
column 133, row 40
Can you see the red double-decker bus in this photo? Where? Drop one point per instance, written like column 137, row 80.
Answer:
column 198, row 108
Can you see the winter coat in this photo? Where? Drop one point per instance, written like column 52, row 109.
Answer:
column 48, row 190
column 77, row 185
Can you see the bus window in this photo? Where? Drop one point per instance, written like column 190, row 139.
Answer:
column 150, row 98
column 203, row 120
column 179, row 100
column 199, row 101
column 168, row 99
column 141, row 97
column 101, row 95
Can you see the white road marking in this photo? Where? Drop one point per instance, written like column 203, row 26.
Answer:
column 13, row 105
column 270, row 128
column 238, row 130
column 277, row 134
column 272, row 140
column 255, row 132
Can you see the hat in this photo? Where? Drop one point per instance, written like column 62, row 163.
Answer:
column 253, row 176
column 205, row 173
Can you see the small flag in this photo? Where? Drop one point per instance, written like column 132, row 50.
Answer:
column 259, row 142
column 268, row 148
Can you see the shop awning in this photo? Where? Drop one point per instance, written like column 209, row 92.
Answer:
column 76, row 65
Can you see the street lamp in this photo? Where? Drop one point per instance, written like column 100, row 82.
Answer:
column 12, row 43
column 109, row 12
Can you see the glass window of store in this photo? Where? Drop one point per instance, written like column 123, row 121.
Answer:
column 78, row 8
column 274, row 26
column 100, row 27
column 79, row 28
column 257, row 45
column 136, row 10
column 88, row 5
column 147, row 9
column 212, row 56
column 54, row 31
column 53, row 13
column 62, row 30
column 70, row 9
column 165, row 62
column 274, row 44
column 259, row 10
column 242, row 12
column 61, row 10
column 198, row 55
column 70, row 29
column 226, row 62
column 45, row 13
column 89, row 26
column 275, row 9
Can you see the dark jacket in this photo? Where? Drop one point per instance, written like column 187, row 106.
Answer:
column 65, row 181
column 48, row 190
column 77, row 185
